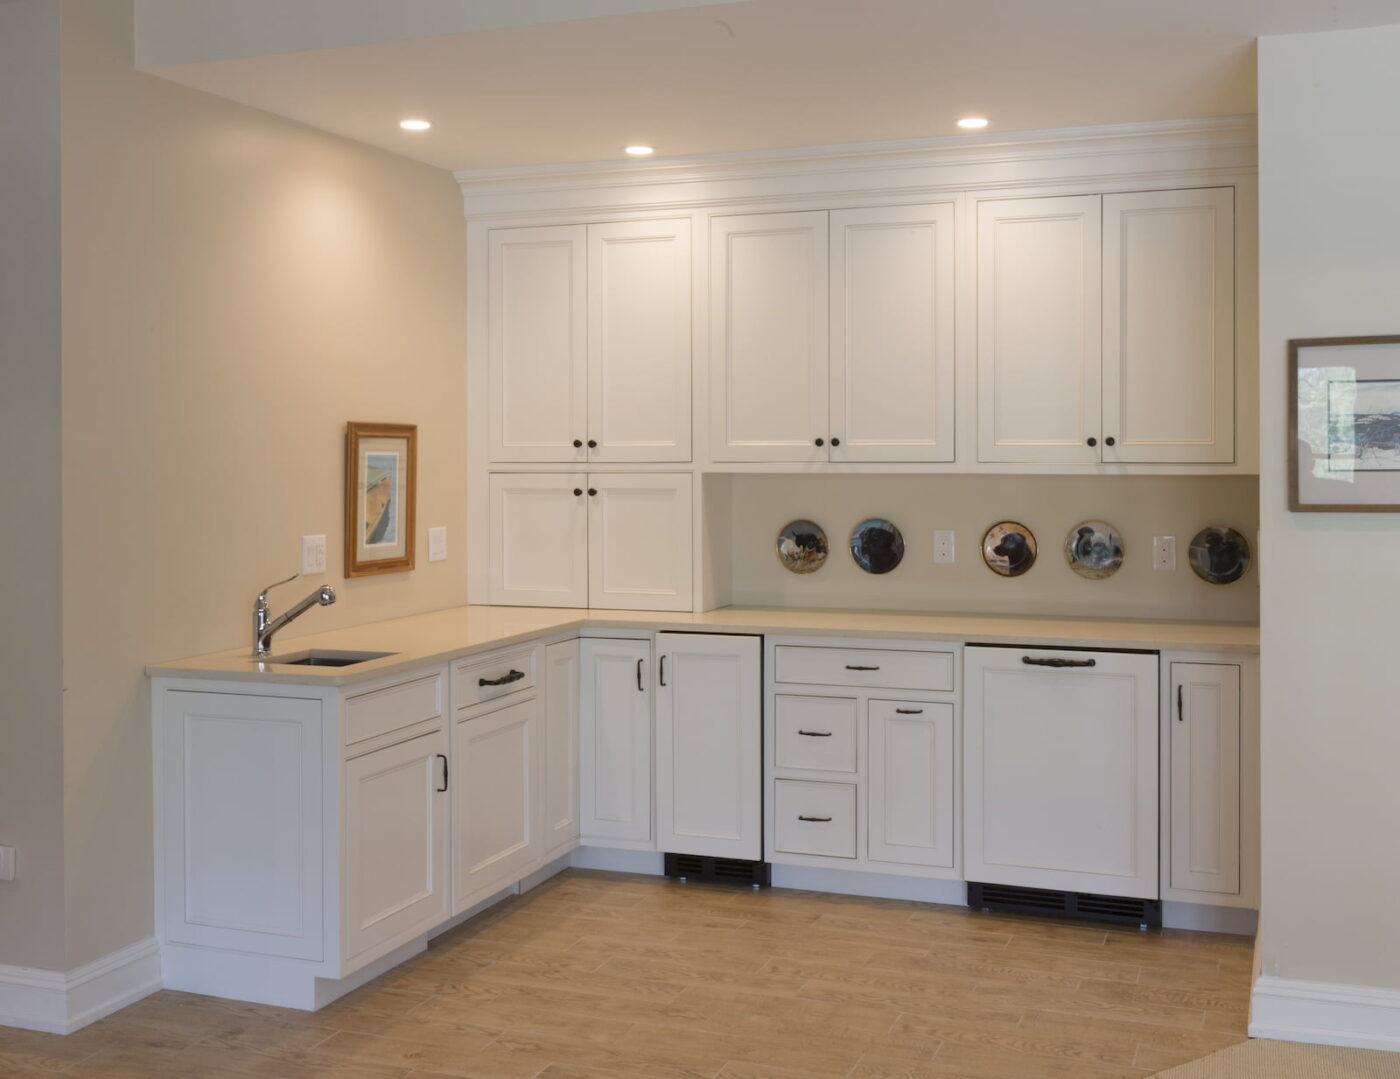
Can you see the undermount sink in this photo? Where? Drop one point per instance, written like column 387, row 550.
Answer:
column 325, row 657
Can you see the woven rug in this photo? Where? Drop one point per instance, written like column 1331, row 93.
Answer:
column 1266, row 1059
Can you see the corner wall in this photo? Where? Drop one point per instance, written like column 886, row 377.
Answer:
column 1329, row 156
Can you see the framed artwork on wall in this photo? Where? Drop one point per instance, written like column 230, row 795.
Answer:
column 381, row 490
column 1344, row 424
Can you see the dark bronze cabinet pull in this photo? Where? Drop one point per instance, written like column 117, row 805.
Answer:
column 504, row 680
column 815, row 734
column 578, row 443
column 661, row 671
column 1057, row 661
column 816, row 820
column 444, row 786
column 592, row 444
column 593, row 490
column 910, row 711
column 578, row 490
column 821, row 442
column 1091, row 441
column 858, row 667
column 1109, row 441
column 639, row 677
column 1179, row 716
column 836, row 442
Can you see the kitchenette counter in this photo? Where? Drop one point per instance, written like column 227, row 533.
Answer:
column 440, row 636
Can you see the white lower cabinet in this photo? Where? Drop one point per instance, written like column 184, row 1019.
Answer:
column 615, row 744
column 559, row 745
column 709, row 745
column 814, row 818
column 1060, row 764
column 911, row 802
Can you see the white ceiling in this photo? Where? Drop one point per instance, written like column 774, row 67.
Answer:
column 779, row 73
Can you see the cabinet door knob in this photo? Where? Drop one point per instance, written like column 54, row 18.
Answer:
column 592, row 444
column 1109, row 441
column 578, row 490
column 821, row 442
column 593, row 490
column 578, row 443
column 836, row 442
column 1091, row 442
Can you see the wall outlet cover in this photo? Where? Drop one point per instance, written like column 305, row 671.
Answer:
column 7, row 863
column 943, row 546
column 313, row 554
column 1164, row 552
column 437, row 544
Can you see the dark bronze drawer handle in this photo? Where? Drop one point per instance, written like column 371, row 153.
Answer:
column 858, row 667
column 910, row 711
column 504, row 680
column 1056, row 661
column 815, row 734
column 817, row 820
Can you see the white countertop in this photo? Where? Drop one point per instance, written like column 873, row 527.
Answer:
column 440, row 636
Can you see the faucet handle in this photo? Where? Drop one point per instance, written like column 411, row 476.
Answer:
column 262, row 596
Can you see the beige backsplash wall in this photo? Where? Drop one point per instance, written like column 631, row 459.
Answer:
column 1139, row 506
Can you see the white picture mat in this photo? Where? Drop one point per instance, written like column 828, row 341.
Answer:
column 1328, row 457
column 396, row 448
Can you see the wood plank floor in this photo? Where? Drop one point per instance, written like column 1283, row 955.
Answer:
column 598, row 974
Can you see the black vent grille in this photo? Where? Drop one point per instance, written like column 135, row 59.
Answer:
column 1014, row 899
column 721, row 870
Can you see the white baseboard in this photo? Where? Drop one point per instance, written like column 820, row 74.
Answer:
column 1209, row 919
column 60, row 1002
column 1325, row 1013
column 618, row 860
column 879, row 885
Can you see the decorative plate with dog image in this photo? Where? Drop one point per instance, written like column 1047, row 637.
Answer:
column 877, row 546
column 1094, row 549
column 802, row 546
column 1219, row 555
column 1008, row 548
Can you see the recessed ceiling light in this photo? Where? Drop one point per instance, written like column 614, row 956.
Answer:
column 972, row 123
column 414, row 125
column 639, row 151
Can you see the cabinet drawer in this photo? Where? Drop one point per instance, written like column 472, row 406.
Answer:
column 481, row 678
column 393, row 707
column 815, row 733
column 815, row 818
column 883, row 667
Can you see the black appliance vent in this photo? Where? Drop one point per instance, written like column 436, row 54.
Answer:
column 721, row 870
column 1015, row 899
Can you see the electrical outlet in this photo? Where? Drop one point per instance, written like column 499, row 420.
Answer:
column 437, row 544
column 313, row 554
column 943, row 546
column 7, row 863
column 1164, row 552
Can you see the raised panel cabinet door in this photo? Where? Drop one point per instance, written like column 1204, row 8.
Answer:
column 892, row 343
column 1060, row 770
column 242, row 822
column 768, row 337
column 709, row 750
column 494, row 806
column 539, row 540
column 559, row 770
column 396, row 844
column 639, row 341
column 1204, row 720
column 640, row 541
column 1038, row 329
column 1169, row 326
column 615, row 744
column 910, row 786
column 538, row 343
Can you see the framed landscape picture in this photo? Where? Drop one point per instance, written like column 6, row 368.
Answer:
column 381, row 481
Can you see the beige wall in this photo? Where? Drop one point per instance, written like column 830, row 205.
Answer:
column 236, row 287
column 1140, row 507
column 31, row 722
column 1329, row 218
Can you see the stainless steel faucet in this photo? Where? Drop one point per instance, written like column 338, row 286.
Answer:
column 263, row 629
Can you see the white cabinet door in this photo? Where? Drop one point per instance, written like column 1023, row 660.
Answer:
column 1204, row 721
column 494, row 804
column 639, row 542
column 559, row 769
column 241, row 811
column 615, row 744
column 395, row 851
column 539, row 540
column 639, row 341
column 892, row 362
column 538, row 343
column 1038, row 329
column 1168, row 326
column 709, row 750
column 1060, row 770
column 768, row 337
column 910, row 783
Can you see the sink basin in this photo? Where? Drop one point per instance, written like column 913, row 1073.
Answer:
column 325, row 657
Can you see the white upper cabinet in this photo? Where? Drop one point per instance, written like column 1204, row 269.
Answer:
column 768, row 337
column 1038, row 337
column 892, row 361
column 639, row 341
column 1168, row 326
column 538, row 344
column 539, row 540
column 640, row 543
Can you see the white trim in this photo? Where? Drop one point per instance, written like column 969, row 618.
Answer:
column 1209, row 918
column 1325, row 1013
column 615, row 860
column 60, row 1002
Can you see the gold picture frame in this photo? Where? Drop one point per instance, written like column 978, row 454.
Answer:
column 381, row 495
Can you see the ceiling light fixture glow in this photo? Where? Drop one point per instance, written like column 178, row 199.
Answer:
column 973, row 123
column 414, row 125
column 639, row 151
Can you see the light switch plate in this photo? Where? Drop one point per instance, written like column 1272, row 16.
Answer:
column 1164, row 552
column 313, row 554
column 943, row 548
column 437, row 544
column 7, row 863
